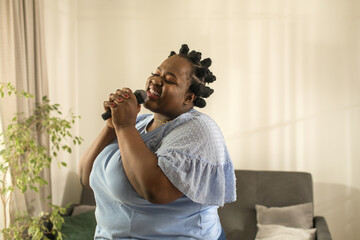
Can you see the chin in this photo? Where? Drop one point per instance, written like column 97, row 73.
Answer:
column 149, row 106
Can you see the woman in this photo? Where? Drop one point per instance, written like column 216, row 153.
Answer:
column 161, row 175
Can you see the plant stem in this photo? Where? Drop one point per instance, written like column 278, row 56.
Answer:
column 3, row 198
column 4, row 210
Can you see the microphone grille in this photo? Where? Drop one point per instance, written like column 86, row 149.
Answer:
column 141, row 96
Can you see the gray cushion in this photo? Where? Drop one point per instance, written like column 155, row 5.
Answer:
column 295, row 216
column 277, row 232
column 268, row 188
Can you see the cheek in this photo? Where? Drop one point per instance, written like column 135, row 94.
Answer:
column 147, row 83
column 174, row 94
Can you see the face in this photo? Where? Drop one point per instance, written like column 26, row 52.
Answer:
column 168, row 88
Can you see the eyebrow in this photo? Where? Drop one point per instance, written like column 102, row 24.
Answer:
column 168, row 73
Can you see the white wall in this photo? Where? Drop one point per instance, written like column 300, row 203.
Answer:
column 288, row 90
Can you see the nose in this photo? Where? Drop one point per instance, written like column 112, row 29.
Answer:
column 156, row 81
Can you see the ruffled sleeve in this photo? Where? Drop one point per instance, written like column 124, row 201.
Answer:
column 194, row 157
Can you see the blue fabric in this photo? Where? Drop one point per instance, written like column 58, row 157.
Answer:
column 222, row 235
column 192, row 153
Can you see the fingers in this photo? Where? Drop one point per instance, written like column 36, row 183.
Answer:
column 125, row 92
column 107, row 105
column 118, row 97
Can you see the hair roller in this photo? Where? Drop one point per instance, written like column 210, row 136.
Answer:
column 172, row 53
column 195, row 57
column 210, row 78
column 199, row 102
column 206, row 62
column 206, row 91
column 201, row 72
column 196, row 89
column 184, row 49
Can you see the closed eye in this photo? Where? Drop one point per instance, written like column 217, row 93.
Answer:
column 168, row 81
column 165, row 79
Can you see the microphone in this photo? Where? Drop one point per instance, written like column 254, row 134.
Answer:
column 140, row 97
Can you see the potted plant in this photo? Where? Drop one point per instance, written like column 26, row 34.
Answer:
column 22, row 159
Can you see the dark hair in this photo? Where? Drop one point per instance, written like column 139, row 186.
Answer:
column 200, row 76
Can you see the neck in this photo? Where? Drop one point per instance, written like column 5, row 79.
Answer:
column 161, row 121
column 157, row 122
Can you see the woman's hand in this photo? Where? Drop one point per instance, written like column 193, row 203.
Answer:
column 106, row 105
column 124, row 108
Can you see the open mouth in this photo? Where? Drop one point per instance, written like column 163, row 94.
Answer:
column 153, row 92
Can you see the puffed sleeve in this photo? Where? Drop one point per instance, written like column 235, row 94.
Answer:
column 195, row 159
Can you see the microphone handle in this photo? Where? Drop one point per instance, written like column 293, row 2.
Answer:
column 106, row 115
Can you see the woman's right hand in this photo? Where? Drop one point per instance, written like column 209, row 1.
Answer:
column 107, row 105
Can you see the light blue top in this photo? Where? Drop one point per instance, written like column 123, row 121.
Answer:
column 191, row 152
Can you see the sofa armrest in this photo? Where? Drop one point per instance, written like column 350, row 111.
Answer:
column 322, row 229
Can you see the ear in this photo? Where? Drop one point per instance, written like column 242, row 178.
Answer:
column 189, row 98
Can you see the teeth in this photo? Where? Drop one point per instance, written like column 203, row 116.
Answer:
column 155, row 93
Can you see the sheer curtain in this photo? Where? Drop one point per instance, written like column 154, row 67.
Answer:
column 287, row 95
column 23, row 64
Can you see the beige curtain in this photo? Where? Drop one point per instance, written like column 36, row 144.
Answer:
column 23, row 63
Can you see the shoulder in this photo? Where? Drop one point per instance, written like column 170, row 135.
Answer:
column 198, row 137
column 195, row 122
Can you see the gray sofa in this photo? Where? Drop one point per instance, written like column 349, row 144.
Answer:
column 271, row 189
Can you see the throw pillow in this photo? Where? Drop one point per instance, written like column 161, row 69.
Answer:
column 79, row 227
column 295, row 216
column 82, row 208
column 277, row 232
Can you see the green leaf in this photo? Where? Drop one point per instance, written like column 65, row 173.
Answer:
column 36, row 189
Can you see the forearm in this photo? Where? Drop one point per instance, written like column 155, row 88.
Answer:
column 105, row 137
column 142, row 170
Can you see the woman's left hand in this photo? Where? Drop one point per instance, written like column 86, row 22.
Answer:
column 124, row 108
